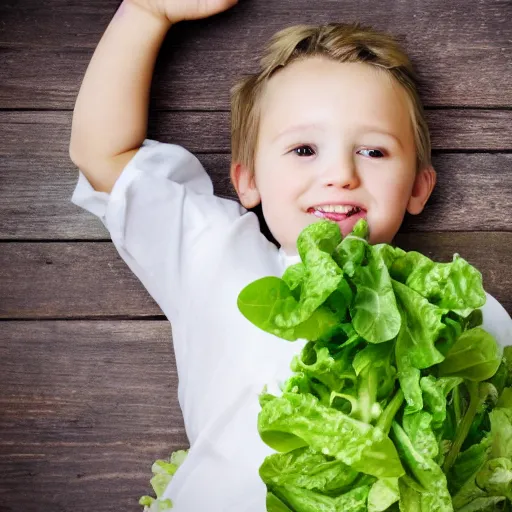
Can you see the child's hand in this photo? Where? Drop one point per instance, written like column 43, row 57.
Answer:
column 180, row 10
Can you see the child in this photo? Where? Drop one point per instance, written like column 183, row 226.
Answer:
column 332, row 123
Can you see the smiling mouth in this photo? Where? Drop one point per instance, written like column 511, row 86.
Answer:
column 334, row 215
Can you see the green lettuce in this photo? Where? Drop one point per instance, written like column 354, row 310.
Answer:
column 163, row 471
column 399, row 400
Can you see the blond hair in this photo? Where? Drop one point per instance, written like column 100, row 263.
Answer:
column 341, row 43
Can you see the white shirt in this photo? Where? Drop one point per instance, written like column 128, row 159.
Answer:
column 194, row 252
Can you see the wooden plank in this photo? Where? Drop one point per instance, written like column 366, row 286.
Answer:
column 47, row 133
column 88, row 279
column 474, row 191
column 86, row 408
column 471, row 129
column 100, row 477
column 56, row 280
column 462, row 52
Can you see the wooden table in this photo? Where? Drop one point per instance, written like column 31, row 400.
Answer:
column 88, row 380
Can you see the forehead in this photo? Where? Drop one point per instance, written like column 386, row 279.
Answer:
column 320, row 90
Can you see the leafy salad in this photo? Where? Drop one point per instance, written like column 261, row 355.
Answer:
column 399, row 401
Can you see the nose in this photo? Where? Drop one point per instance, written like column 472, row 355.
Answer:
column 341, row 173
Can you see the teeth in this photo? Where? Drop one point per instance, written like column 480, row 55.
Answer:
column 337, row 208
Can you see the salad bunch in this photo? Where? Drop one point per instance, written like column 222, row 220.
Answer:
column 400, row 400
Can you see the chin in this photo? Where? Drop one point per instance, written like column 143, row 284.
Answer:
column 381, row 238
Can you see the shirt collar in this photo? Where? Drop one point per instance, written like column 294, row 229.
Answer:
column 289, row 259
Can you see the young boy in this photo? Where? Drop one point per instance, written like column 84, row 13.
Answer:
column 331, row 123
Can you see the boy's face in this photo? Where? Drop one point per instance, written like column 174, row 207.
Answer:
column 334, row 134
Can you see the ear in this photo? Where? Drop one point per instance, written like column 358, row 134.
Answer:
column 244, row 183
column 422, row 189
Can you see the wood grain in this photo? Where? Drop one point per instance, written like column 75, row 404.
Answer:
column 88, row 387
column 81, row 417
column 462, row 51
column 88, row 279
column 48, row 133
column 37, row 177
column 50, row 280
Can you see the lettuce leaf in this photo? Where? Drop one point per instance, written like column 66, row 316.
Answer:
column 308, row 469
column 163, row 471
column 310, row 501
column 374, row 312
column 395, row 342
column 294, row 420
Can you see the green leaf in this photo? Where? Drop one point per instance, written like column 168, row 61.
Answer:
column 361, row 229
column 490, row 486
column 389, row 253
column 274, row 504
column 418, row 427
column 410, row 498
column 317, row 241
column 415, row 346
column 374, row 312
column 468, row 463
column 293, row 307
column 268, row 299
column 487, row 504
column 501, row 431
column 152, row 505
column 495, row 477
column 479, row 394
column 293, row 421
column 451, row 286
column 316, row 362
column 435, row 392
column 475, row 356
column 322, row 276
column 380, row 359
column 421, row 326
column 294, row 277
column 414, row 498
column 163, row 471
column 505, row 399
column 375, row 315
column 350, row 254
column 425, row 470
column 408, row 375
column 383, row 494
column 340, row 299
column 307, row 469
column 304, row 500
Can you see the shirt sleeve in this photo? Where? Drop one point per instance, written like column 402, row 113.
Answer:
column 160, row 212
column 497, row 321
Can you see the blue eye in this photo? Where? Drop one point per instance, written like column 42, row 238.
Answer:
column 303, row 150
column 374, row 153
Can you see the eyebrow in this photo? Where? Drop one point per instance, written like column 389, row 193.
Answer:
column 320, row 127
column 298, row 128
column 375, row 129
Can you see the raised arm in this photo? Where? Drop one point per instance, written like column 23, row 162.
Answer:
column 110, row 116
column 111, row 111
